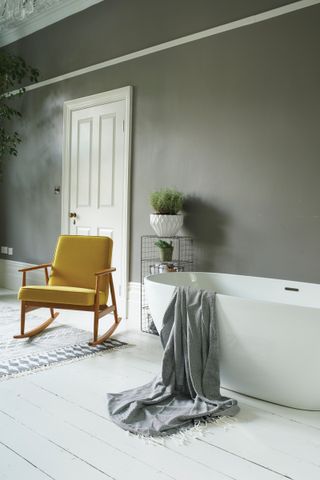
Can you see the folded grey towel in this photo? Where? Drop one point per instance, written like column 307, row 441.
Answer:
column 188, row 387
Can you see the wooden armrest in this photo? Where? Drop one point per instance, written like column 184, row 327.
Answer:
column 107, row 271
column 36, row 267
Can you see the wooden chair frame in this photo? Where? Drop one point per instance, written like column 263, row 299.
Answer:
column 98, row 310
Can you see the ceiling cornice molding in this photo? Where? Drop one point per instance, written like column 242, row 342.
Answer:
column 43, row 19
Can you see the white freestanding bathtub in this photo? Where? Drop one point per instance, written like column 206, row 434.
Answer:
column 269, row 333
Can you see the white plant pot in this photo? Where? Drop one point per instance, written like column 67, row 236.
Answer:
column 166, row 225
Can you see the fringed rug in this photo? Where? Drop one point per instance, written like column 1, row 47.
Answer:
column 56, row 345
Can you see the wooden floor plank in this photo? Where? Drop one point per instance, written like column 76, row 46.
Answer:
column 201, row 453
column 281, row 448
column 101, row 455
column 13, row 466
column 93, row 430
column 44, row 454
column 279, row 461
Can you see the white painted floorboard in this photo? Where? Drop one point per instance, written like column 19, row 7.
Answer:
column 53, row 424
column 14, row 466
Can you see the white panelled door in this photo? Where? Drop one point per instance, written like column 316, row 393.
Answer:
column 97, row 179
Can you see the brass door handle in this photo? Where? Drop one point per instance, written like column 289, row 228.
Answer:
column 72, row 214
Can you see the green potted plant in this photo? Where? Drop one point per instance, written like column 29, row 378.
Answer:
column 14, row 72
column 167, row 218
column 166, row 250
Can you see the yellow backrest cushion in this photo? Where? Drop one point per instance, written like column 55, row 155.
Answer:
column 77, row 258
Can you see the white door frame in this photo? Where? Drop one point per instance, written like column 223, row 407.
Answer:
column 124, row 93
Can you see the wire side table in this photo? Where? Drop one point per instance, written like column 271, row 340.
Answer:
column 182, row 261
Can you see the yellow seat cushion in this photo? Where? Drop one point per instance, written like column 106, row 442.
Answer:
column 60, row 294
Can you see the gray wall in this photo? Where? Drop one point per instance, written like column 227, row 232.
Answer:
column 116, row 27
column 231, row 120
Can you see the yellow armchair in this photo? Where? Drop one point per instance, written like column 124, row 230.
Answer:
column 80, row 279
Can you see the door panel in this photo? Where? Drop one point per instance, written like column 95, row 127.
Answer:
column 84, row 163
column 105, row 232
column 96, row 176
column 83, row 231
column 106, row 161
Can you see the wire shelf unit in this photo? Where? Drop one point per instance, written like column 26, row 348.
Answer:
column 182, row 261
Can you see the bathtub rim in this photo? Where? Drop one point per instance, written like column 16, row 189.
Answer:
column 229, row 275
column 150, row 278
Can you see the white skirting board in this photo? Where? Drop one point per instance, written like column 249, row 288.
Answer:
column 134, row 302
column 11, row 278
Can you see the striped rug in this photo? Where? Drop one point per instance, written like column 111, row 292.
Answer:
column 56, row 345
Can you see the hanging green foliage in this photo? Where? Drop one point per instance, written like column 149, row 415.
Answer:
column 14, row 71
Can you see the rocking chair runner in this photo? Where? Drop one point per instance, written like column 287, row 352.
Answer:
column 80, row 279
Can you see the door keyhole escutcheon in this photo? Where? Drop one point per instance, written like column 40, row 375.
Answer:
column 74, row 216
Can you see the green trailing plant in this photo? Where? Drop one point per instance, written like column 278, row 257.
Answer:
column 167, row 201
column 13, row 72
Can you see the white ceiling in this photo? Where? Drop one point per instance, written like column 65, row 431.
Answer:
column 14, row 30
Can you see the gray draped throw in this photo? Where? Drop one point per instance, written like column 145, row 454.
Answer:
column 188, row 387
